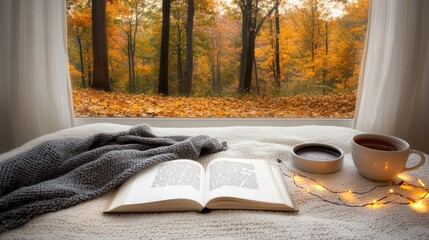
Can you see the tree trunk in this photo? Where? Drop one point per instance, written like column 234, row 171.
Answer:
column 215, row 62
column 130, row 80
column 213, row 77
column 218, row 78
column 249, row 61
column 189, row 68
column 273, row 47
column 179, row 69
column 82, row 68
column 325, row 70
column 99, row 45
column 89, row 71
column 250, row 28
column 132, row 46
column 212, row 62
column 313, row 34
column 277, row 47
column 130, row 31
column 256, row 76
column 133, row 72
column 179, row 56
column 246, row 61
column 244, row 43
column 165, row 39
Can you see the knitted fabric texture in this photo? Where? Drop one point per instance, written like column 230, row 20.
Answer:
column 57, row 174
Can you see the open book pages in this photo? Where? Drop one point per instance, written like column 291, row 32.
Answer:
column 184, row 185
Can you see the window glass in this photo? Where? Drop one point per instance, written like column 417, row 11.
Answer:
column 295, row 58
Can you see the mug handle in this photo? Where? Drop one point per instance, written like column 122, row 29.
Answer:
column 422, row 160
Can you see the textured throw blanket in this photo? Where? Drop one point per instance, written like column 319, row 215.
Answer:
column 60, row 173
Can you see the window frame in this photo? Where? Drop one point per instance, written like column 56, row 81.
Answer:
column 218, row 122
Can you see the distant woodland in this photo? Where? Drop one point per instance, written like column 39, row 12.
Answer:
column 207, row 48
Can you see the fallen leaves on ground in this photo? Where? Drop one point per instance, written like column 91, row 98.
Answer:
column 89, row 102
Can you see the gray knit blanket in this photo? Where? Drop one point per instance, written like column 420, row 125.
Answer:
column 57, row 174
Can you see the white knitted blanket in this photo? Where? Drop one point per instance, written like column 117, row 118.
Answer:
column 316, row 219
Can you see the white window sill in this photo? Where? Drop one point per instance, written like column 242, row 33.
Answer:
column 219, row 122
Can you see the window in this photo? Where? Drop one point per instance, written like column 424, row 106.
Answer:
column 297, row 59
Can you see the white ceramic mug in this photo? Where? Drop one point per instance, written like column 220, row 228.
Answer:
column 381, row 157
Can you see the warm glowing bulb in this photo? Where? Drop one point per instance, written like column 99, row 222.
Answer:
column 421, row 183
column 419, row 206
column 297, row 178
column 375, row 204
column 350, row 191
column 391, row 190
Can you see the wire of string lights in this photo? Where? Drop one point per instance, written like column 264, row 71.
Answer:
column 381, row 200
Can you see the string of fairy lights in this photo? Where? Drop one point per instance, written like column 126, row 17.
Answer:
column 392, row 190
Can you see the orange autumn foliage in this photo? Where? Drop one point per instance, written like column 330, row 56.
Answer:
column 88, row 102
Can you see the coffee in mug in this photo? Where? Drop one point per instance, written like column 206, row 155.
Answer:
column 381, row 157
column 379, row 145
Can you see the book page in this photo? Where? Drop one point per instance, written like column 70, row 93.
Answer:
column 178, row 179
column 241, row 178
column 280, row 185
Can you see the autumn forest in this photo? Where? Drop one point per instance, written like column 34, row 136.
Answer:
column 208, row 50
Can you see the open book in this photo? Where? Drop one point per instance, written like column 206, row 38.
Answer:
column 184, row 185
